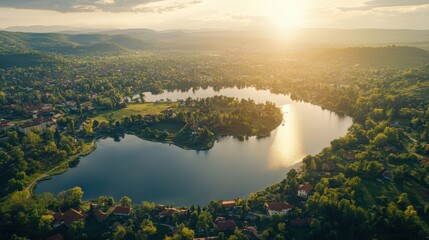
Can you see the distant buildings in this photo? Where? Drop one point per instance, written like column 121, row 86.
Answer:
column 225, row 226
column 278, row 208
column 67, row 218
column 304, row 190
column 100, row 216
column 122, row 211
column 168, row 213
column 229, row 205
column 39, row 123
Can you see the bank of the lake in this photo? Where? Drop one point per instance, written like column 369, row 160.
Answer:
column 163, row 173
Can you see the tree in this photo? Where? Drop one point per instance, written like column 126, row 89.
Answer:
column 147, row 228
column 281, row 227
column 87, row 130
column 403, row 200
column 119, row 233
column 410, row 212
column 183, row 234
column 148, row 206
column 76, row 230
column 106, row 202
column 380, row 140
column 125, row 201
column 205, row 220
column 70, row 198
column 44, row 225
column 33, row 139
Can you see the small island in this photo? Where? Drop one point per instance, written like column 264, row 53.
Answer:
column 190, row 124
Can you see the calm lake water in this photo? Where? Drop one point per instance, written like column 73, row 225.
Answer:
column 166, row 174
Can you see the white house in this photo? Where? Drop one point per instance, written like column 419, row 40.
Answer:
column 278, row 208
column 304, row 190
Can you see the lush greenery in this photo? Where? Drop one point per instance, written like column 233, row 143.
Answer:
column 195, row 124
column 370, row 184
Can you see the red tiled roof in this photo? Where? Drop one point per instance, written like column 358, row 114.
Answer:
column 229, row 204
column 306, row 187
column 34, row 122
column 279, row 206
column 122, row 210
column 168, row 212
column 226, row 225
column 57, row 216
column 72, row 215
column 99, row 215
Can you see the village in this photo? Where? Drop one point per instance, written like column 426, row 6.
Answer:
column 225, row 217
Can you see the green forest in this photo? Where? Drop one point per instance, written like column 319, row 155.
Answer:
column 372, row 183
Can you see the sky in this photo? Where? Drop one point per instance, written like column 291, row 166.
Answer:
column 219, row 14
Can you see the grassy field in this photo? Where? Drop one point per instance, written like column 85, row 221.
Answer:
column 132, row 109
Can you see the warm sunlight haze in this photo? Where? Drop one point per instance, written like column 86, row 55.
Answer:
column 214, row 119
column 288, row 13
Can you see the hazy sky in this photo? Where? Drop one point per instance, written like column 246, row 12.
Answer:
column 195, row 14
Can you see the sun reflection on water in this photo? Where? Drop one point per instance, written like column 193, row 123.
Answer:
column 287, row 149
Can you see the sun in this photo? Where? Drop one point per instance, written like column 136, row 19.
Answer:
column 288, row 13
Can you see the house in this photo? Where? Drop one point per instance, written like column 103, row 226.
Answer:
column 252, row 233
column 35, row 110
column 229, row 205
column 71, row 216
column 58, row 219
column 278, row 208
column 122, row 211
column 100, row 216
column 40, row 123
column 66, row 218
column 206, row 238
column 170, row 212
column 304, row 190
column 225, row 226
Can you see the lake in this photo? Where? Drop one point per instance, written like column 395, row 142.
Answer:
column 166, row 174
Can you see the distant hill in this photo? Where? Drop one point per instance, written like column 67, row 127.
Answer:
column 28, row 59
column 392, row 56
column 68, row 44
column 53, row 29
column 340, row 45
column 261, row 37
column 248, row 38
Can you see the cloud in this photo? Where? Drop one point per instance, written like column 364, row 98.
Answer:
column 372, row 4
column 164, row 7
column 99, row 5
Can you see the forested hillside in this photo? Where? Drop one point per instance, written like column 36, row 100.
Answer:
column 59, row 92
